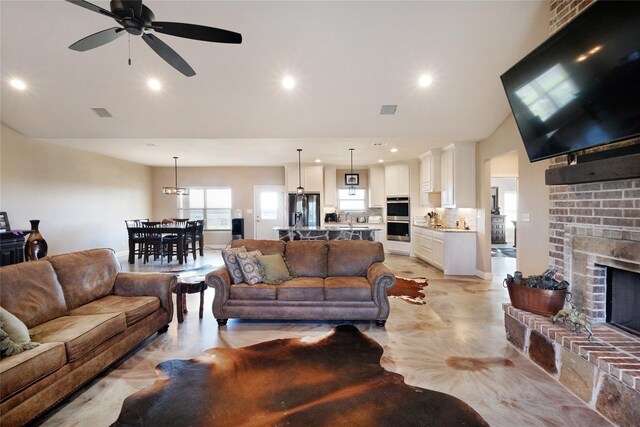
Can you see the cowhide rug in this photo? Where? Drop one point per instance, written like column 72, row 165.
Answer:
column 409, row 290
column 335, row 380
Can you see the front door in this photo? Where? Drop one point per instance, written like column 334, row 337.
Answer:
column 269, row 211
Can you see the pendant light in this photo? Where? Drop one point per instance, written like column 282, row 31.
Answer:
column 352, row 189
column 300, row 189
column 178, row 191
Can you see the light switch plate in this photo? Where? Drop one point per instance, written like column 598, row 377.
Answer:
column 526, row 217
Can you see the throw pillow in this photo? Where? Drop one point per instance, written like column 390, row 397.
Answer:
column 274, row 269
column 14, row 335
column 230, row 260
column 250, row 268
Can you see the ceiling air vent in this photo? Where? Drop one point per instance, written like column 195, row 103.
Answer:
column 101, row 112
column 388, row 109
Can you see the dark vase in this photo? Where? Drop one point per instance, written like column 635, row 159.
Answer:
column 36, row 247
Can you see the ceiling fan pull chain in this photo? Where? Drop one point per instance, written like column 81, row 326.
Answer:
column 129, row 49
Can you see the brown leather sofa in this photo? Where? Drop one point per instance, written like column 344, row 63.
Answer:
column 335, row 280
column 85, row 313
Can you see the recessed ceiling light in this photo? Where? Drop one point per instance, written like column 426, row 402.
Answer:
column 288, row 82
column 394, row 150
column 18, row 84
column 154, row 84
column 380, row 161
column 318, row 161
column 425, row 80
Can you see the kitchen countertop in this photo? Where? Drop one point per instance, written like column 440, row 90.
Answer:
column 338, row 226
column 442, row 229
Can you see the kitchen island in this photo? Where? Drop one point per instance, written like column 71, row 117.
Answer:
column 327, row 232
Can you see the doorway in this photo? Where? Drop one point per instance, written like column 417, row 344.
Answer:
column 268, row 202
column 504, row 213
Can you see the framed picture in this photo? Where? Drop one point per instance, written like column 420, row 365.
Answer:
column 495, row 209
column 352, row 179
column 4, row 222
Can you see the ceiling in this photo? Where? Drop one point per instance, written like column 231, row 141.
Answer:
column 348, row 59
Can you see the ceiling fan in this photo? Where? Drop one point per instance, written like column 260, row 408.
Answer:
column 137, row 19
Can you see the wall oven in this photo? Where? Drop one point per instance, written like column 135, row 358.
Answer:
column 398, row 219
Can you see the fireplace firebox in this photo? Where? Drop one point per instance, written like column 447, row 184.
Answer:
column 623, row 299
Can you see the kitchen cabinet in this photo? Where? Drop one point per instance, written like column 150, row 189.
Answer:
column 457, row 174
column 396, row 180
column 376, row 187
column 311, row 178
column 330, row 198
column 450, row 251
column 429, row 174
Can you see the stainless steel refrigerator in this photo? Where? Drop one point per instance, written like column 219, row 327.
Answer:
column 304, row 211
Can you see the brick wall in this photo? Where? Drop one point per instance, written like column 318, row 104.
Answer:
column 604, row 209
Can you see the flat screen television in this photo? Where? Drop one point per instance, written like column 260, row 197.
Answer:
column 581, row 87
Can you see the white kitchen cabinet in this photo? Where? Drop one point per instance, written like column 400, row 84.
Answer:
column 396, row 180
column 450, row 251
column 330, row 198
column 311, row 178
column 458, row 178
column 429, row 174
column 376, row 187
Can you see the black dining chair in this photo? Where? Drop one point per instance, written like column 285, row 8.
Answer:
column 190, row 240
column 137, row 238
column 155, row 243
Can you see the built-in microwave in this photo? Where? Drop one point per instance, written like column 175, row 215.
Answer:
column 397, row 209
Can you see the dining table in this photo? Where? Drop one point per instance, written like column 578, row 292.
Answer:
column 165, row 229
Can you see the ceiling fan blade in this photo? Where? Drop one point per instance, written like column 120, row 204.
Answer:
column 97, row 39
column 197, row 32
column 134, row 5
column 168, row 54
column 92, row 7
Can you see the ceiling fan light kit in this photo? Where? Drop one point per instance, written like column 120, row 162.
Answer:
column 138, row 20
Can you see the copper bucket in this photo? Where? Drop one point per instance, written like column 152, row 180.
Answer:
column 536, row 300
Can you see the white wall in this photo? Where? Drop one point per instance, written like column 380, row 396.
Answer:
column 81, row 199
column 533, row 199
column 241, row 180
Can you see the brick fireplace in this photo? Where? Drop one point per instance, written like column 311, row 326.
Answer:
column 592, row 227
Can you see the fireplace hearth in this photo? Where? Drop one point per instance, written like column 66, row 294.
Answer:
column 623, row 299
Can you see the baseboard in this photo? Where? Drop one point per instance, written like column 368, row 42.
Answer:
column 483, row 275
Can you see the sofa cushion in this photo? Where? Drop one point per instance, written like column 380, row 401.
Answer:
column 231, row 262
column 301, row 289
column 26, row 368
column 134, row 308
column 86, row 276
column 251, row 270
column 274, row 269
column 31, row 292
column 266, row 247
column 260, row 291
column 307, row 258
column 353, row 257
column 347, row 289
column 80, row 334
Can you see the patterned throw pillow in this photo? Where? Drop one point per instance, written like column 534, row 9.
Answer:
column 230, row 260
column 250, row 268
column 275, row 269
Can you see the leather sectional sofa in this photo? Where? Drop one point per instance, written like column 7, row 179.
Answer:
column 85, row 314
column 334, row 280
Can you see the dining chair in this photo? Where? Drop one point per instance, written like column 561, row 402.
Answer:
column 200, row 235
column 154, row 242
column 190, row 240
column 137, row 238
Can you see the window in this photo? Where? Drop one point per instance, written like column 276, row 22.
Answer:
column 347, row 203
column 211, row 204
